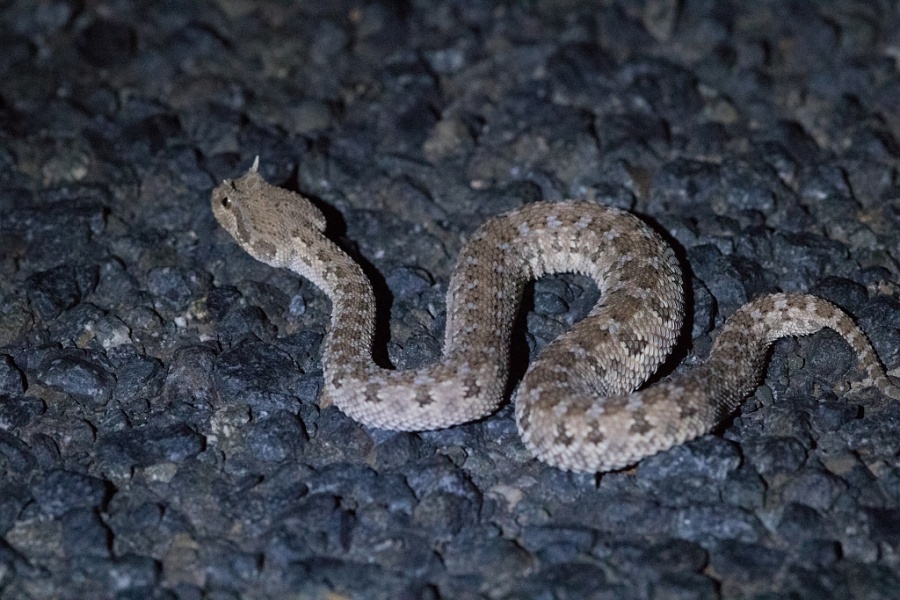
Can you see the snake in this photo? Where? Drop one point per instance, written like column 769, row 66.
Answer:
column 579, row 406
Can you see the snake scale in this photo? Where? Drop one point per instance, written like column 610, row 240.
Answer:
column 576, row 407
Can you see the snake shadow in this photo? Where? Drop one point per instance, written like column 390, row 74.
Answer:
column 336, row 231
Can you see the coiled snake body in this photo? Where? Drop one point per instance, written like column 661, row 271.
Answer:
column 576, row 407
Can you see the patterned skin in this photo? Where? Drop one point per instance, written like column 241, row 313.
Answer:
column 576, row 407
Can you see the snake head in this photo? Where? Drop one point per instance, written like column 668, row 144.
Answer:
column 267, row 221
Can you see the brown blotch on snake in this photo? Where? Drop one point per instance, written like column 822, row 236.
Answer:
column 628, row 333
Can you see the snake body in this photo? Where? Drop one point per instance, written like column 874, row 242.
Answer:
column 576, row 407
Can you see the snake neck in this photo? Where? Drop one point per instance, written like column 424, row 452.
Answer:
column 349, row 339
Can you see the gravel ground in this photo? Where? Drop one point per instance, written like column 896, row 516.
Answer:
column 160, row 435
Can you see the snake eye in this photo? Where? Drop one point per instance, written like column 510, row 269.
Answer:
column 226, row 202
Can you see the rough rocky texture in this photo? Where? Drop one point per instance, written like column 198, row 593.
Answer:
column 159, row 433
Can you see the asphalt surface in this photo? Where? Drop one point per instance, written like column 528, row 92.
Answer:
column 160, row 429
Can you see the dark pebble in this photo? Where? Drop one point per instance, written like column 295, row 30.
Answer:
column 115, row 286
column 477, row 552
column 140, row 375
column 884, row 523
column 245, row 321
column 18, row 411
column 219, row 300
column 93, row 328
column 749, row 186
column 579, row 65
column 552, row 297
column 684, row 184
column 849, row 295
column 718, row 522
column 230, row 568
column 12, row 381
column 17, row 564
column 54, row 291
column 831, row 415
column 338, row 439
column 275, row 438
column 704, row 307
column 259, row 375
column 557, row 545
column 85, row 380
column 84, row 534
column 569, row 580
column 690, row 471
column 808, row 254
column 13, row 498
column 398, row 449
column 447, row 498
column 772, row 455
column 445, row 512
column 814, row 488
column 800, row 522
column 874, row 435
column 150, row 445
column 818, row 553
column 732, row 281
column 407, row 281
column 106, row 43
column 15, row 454
column 61, row 491
column 881, row 320
column 315, row 526
column 744, row 562
column 685, row 586
column 176, row 288
column 745, row 488
column 133, row 576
